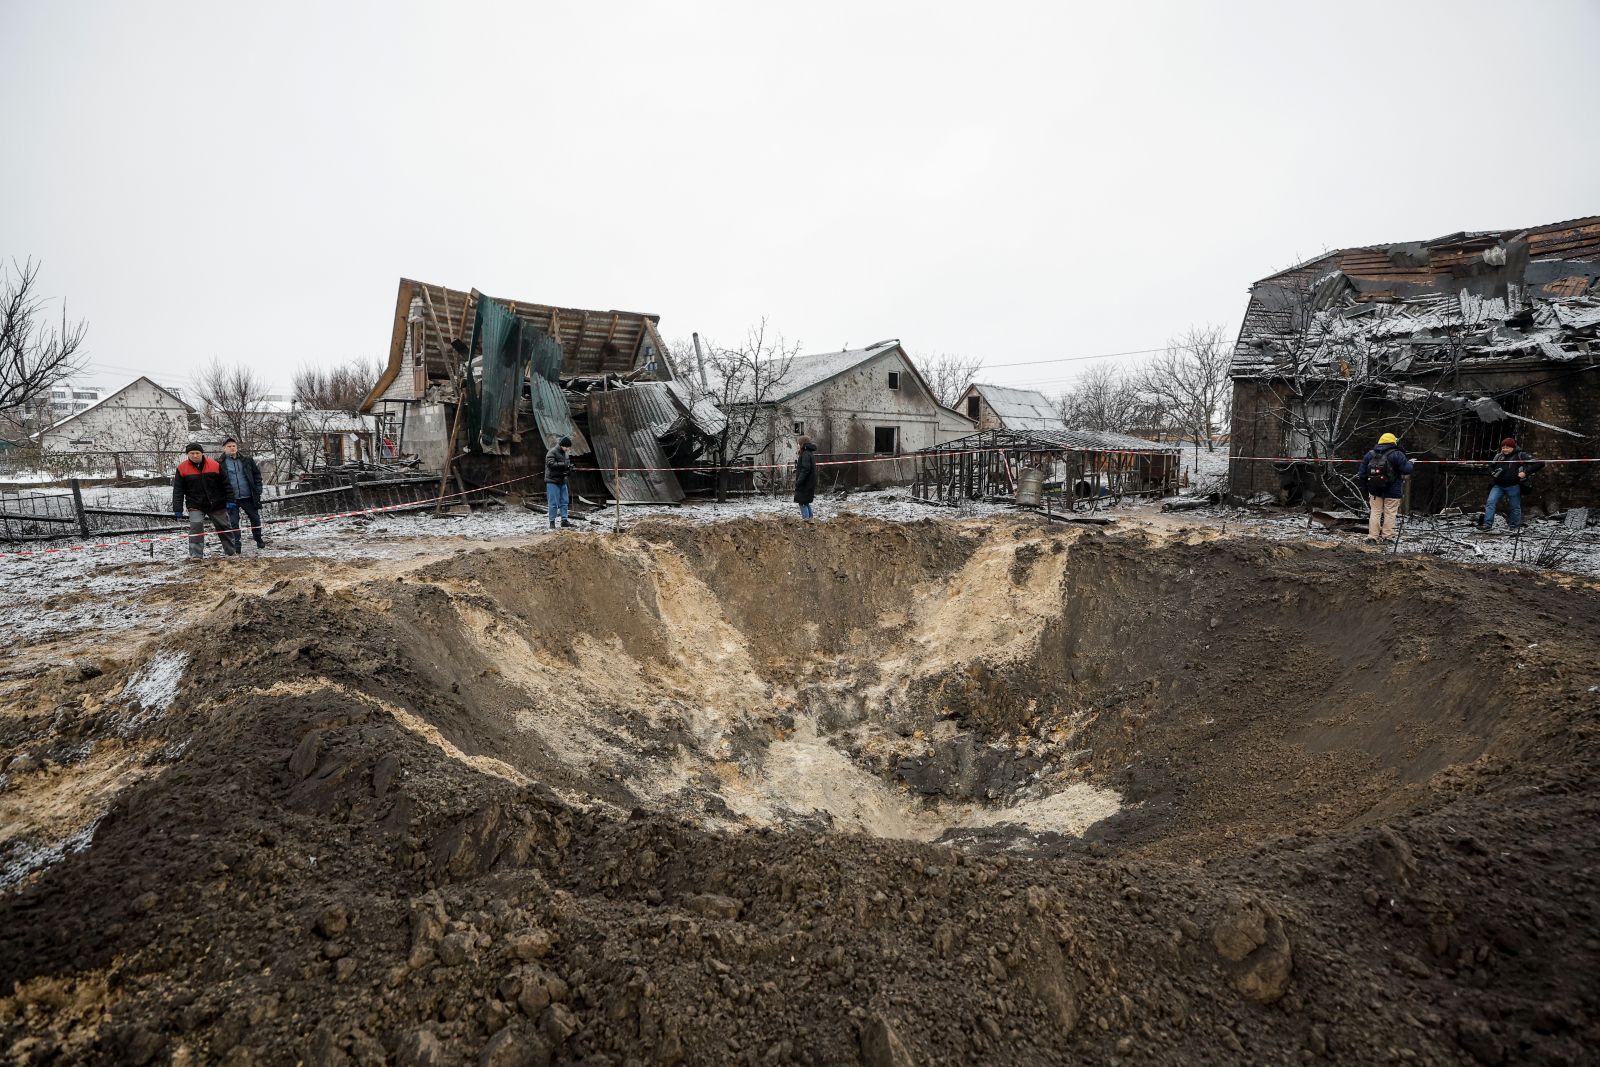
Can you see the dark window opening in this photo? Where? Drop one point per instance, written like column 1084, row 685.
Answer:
column 1479, row 439
column 972, row 406
column 799, row 428
column 886, row 440
column 894, row 379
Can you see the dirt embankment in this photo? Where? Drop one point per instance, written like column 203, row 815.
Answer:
column 771, row 792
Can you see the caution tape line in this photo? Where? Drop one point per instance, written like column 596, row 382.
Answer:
column 288, row 524
column 276, row 524
column 1430, row 462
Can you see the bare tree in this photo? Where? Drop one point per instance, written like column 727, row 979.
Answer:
column 34, row 354
column 341, row 387
column 743, row 381
column 233, row 400
column 949, row 375
column 157, row 436
column 1189, row 383
column 1105, row 398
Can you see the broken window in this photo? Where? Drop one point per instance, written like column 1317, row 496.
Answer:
column 894, row 379
column 886, row 440
column 972, row 406
column 799, row 428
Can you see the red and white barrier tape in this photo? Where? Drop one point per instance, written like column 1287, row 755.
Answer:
column 1430, row 462
column 278, row 524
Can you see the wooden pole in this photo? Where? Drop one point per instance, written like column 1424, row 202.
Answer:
column 77, row 507
column 616, row 487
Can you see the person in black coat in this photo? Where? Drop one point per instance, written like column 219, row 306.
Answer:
column 805, row 477
column 1509, row 472
column 557, row 494
column 200, row 489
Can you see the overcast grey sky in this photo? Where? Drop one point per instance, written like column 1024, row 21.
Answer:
column 1011, row 181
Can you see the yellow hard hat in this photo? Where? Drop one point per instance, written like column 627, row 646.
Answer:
column 1388, row 439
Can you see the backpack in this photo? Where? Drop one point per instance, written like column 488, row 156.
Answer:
column 1380, row 475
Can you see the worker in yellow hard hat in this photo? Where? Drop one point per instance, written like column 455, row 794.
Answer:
column 1382, row 475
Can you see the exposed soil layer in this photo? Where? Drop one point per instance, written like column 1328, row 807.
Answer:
column 771, row 792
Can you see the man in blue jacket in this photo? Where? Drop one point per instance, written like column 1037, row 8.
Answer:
column 1383, row 476
column 244, row 478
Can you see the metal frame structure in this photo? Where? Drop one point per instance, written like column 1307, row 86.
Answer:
column 987, row 465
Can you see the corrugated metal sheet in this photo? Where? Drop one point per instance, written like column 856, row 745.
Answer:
column 554, row 418
column 622, row 428
column 1021, row 409
column 703, row 411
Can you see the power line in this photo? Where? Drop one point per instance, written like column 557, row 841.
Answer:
column 1101, row 355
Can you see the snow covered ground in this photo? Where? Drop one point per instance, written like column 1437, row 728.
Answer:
column 97, row 592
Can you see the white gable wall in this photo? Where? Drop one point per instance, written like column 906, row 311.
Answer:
column 141, row 419
column 841, row 416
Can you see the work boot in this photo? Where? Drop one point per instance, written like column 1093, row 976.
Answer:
column 565, row 525
column 552, row 524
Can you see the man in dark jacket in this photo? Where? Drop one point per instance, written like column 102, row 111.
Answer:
column 557, row 494
column 1382, row 475
column 199, row 486
column 244, row 478
column 805, row 477
column 1509, row 472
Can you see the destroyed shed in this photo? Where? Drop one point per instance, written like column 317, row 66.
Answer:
column 1031, row 467
column 1451, row 344
column 864, row 404
column 480, row 389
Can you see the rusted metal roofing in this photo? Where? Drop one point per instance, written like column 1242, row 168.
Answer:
column 623, row 432
column 429, row 317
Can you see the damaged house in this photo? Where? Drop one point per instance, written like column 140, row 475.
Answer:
column 1451, row 344
column 859, row 404
column 481, row 388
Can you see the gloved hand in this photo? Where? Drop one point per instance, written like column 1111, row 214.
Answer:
column 177, row 515
column 233, row 505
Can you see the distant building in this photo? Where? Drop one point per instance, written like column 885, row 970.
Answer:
column 857, row 404
column 998, row 407
column 68, row 399
column 141, row 425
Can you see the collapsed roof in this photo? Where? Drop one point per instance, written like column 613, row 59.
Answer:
column 429, row 319
column 1406, row 308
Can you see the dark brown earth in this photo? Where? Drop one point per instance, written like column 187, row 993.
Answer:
column 1358, row 811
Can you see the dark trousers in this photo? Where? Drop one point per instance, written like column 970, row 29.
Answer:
column 252, row 510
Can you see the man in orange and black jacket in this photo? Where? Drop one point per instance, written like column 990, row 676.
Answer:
column 199, row 487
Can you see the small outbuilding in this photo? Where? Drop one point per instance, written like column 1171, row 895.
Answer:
column 1000, row 407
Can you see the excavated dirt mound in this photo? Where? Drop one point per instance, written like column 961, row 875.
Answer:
column 768, row 792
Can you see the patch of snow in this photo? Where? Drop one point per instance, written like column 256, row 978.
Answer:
column 20, row 858
column 154, row 686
